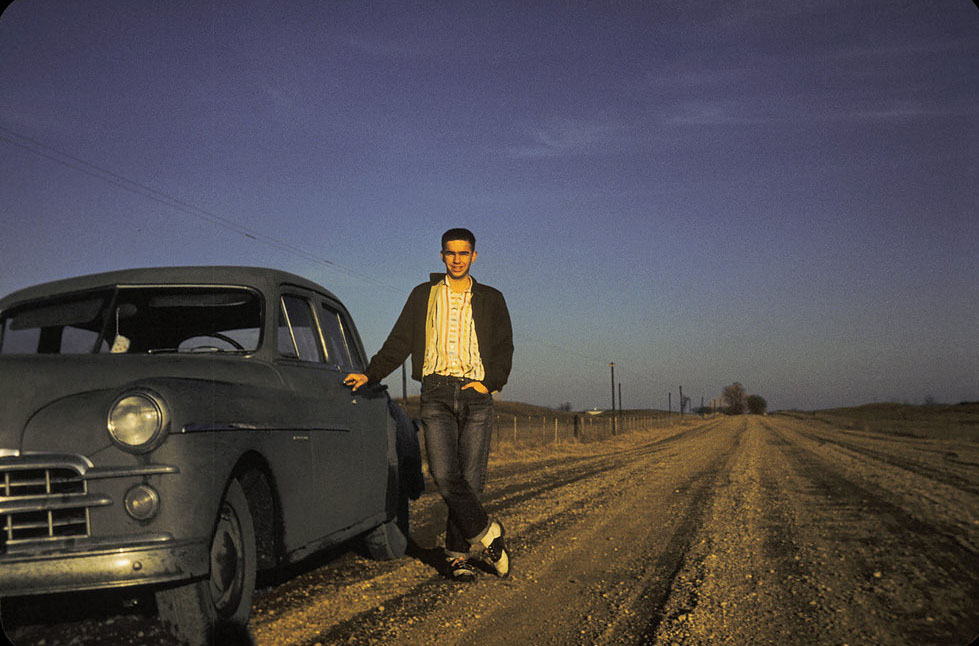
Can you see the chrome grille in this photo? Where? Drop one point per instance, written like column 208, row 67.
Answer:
column 40, row 503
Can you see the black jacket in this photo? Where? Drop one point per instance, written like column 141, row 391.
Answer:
column 493, row 334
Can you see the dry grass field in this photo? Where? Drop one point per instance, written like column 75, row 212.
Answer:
column 939, row 421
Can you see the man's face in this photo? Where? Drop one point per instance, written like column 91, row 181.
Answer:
column 458, row 255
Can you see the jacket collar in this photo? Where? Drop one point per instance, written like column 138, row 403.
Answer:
column 436, row 278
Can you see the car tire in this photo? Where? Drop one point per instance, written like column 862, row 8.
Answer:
column 386, row 541
column 216, row 609
column 389, row 539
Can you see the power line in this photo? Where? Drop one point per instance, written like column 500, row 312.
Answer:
column 33, row 146
column 68, row 160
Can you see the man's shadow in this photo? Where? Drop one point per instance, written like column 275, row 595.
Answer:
column 433, row 557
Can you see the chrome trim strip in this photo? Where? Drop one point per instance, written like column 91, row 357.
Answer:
column 39, row 460
column 21, row 504
column 67, row 546
column 96, row 473
column 79, row 463
column 241, row 426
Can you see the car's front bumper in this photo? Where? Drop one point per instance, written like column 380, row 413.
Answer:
column 157, row 560
column 47, row 503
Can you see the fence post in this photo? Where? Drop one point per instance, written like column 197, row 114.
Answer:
column 514, row 430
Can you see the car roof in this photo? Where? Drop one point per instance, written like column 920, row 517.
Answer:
column 261, row 278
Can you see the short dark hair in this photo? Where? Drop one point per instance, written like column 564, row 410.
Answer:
column 459, row 234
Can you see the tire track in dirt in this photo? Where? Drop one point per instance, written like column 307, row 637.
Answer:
column 598, row 479
column 913, row 581
column 733, row 585
column 795, row 546
column 949, row 509
column 915, row 467
column 605, row 580
column 523, row 483
column 650, row 600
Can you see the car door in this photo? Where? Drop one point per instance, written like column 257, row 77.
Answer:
column 322, row 414
column 369, row 411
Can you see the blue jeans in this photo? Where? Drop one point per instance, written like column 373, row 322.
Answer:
column 458, row 430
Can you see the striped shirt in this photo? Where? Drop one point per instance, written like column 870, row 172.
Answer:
column 452, row 348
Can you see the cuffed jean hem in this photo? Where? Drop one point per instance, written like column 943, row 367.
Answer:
column 478, row 540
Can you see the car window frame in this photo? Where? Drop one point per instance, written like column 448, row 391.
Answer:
column 305, row 297
column 347, row 335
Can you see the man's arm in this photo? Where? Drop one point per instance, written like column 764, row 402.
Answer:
column 501, row 356
column 393, row 353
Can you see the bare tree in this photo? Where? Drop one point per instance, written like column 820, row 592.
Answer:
column 735, row 399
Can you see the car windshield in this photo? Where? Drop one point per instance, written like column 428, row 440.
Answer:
column 136, row 320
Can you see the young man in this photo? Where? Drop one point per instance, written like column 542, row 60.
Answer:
column 458, row 334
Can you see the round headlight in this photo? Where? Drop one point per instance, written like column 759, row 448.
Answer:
column 137, row 421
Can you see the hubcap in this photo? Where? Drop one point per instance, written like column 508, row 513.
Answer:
column 227, row 562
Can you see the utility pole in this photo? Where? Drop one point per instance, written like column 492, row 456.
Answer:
column 611, row 366
column 681, row 401
column 669, row 398
column 620, row 399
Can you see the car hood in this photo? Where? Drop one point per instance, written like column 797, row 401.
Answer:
column 28, row 383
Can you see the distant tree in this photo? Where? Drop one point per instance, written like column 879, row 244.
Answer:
column 566, row 407
column 930, row 401
column 735, row 399
column 757, row 404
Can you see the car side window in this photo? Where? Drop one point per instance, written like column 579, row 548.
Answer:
column 338, row 343
column 297, row 330
column 75, row 340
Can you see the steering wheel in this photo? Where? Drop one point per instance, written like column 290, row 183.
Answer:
column 223, row 337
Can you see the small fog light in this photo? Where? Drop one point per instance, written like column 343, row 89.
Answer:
column 142, row 502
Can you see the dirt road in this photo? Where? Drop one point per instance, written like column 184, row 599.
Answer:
column 743, row 530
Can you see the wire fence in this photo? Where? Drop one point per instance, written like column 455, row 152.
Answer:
column 542, row 430
column 533, row 429
column 515, row 431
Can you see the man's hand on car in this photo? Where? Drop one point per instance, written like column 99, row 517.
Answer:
column 355, row 379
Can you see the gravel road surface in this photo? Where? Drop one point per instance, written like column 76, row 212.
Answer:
column 729, row 530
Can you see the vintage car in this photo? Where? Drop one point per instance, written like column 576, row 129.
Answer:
column 183, row 428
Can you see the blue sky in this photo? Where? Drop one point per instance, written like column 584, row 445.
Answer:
column 781, row 194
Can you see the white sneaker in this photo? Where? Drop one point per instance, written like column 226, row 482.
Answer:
column 496, row 555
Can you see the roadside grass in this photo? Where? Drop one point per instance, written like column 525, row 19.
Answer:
column 937, row 421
